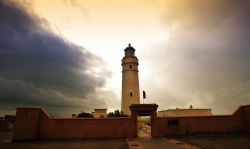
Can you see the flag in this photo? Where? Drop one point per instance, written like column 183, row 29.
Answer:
column 144, row 95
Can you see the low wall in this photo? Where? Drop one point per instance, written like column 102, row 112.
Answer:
column 35, row 123
column 238, row 122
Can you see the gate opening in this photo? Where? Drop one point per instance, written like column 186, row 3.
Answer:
column 143, row 126
column 144, row 119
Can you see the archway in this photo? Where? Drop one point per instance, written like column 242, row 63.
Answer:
column 144, row 110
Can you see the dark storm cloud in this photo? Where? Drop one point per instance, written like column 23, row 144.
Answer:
column 205, row 62
column 40, row 68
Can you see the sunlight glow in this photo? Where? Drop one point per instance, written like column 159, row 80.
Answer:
column 98, row 29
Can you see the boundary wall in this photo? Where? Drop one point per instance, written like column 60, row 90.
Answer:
column 238, row 122
column 35, row 123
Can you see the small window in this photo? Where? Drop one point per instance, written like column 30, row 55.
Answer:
column 131, row 94
column 174, row 122
column 130, row 66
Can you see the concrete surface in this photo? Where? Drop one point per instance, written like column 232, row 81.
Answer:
column 208, row 141
column 156, row 143
column 217, row 141
column 67, row 144
column 6, row 136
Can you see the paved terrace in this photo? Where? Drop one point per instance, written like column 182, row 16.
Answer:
column 207, row 141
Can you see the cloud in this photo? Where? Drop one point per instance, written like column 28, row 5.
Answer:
column 37, row 67
column 205, row 61
column 75, row 4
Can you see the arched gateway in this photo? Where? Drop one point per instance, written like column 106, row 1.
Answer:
column 144, row 110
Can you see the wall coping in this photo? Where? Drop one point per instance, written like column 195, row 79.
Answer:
column 108, row 118
column 195, row 116
column 183, row 109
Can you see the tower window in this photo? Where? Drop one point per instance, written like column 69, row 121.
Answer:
column 130, row 66
column 131, row 94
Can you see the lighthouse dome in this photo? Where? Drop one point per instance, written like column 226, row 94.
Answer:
column 129, row 48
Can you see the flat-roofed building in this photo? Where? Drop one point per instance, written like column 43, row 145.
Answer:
column 184, row 112
column 100, row 113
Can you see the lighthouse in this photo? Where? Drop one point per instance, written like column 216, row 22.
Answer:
column 130, row 80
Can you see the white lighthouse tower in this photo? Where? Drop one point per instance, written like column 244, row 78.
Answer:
column 130, row 80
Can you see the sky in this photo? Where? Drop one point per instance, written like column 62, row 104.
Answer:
column 65, row 55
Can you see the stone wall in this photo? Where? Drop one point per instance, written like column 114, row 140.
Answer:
column 35, row 123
